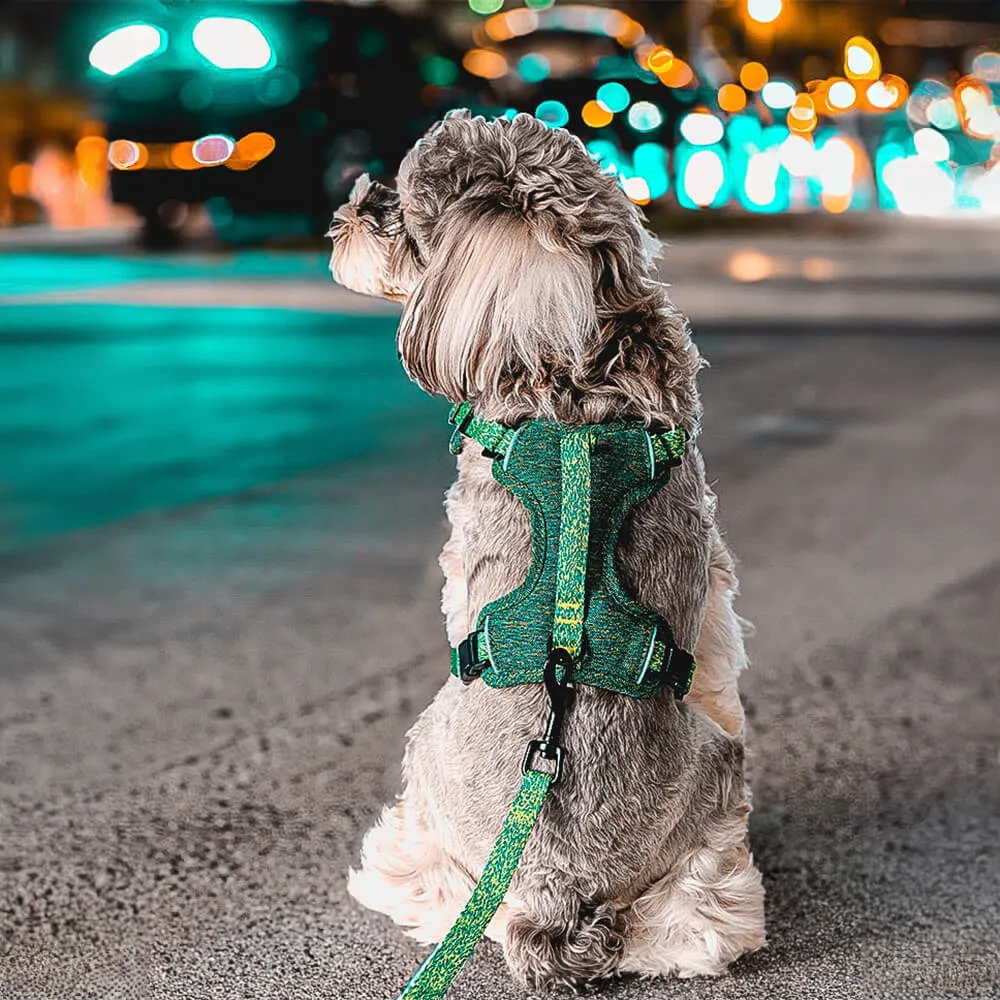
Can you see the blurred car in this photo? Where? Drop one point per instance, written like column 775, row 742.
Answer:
column 256, row 110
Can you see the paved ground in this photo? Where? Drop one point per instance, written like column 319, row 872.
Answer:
column 202, row 699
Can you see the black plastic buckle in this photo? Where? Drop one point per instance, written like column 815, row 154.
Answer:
column 560, row 694
column 678, row 670
column 470, row 665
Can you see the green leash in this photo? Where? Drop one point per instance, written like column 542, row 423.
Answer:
column 432, row 979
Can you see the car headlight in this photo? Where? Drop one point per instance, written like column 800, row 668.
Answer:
column 126, row 46
column 232, row 43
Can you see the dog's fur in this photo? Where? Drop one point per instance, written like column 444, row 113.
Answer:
column 528, row 285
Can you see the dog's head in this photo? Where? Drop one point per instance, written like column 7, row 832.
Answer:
column 519, row 260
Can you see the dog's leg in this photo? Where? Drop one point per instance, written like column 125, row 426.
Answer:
column 455, row 593
column 699, row 918
column 720, row 654
column 406, row 874
column 556, row 941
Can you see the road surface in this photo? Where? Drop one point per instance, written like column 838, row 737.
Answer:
column 218, row 617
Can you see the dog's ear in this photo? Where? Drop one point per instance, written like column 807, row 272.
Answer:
column 371, row 251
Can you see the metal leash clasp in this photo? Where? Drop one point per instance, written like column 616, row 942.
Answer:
column 560, row 692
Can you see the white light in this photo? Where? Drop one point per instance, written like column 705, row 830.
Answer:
column 762, row 177
column 211, row 150
column 880, row 96
column 842, row 95
column 931, row 145
column 798, row 156
column 763, row 11
column 124, row 47
column 232, row 43
column 701, row 128
column 836, row 167
column 636, row 188
column 778, row 94
column 644, row 116
column 704, row 176
column 919, row 186
column 859, row 60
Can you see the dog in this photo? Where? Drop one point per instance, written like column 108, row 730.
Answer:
column 528, row 286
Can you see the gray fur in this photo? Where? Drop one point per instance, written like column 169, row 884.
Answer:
column 638, row 861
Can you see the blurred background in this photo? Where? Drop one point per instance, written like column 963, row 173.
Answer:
column 220, row 498
column 249, row 120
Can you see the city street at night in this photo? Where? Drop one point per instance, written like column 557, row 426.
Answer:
column 220, row 509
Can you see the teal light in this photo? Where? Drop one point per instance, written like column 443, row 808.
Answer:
column 553, row 113
column 232, row 43
column 485, row 6
column 702, row 177
column 533, row 67
column 650, row 162
column 439, row 71
column 613, row 96
column 607, row 155
column 125, row 46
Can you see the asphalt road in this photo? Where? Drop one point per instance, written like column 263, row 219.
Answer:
column 218, row 617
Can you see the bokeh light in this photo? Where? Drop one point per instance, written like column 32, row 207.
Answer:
column 931, row 144
column 125, row 46
column 211, row 150
column 732, row 97
column 704, row 177
column 841, row 95
column 485, row 6
column 486, row 63
column 534, row 67
column 764, row 11
column 861, row 59
column 596, row 115
column 554, row 113
column 644, row 116
column 124, row 154
column 778, row 94
column 754, row 76
column 232, row 43
column 701, row 128
column 660, row 59
column 614, row 96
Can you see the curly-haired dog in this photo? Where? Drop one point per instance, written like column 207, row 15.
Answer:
column 529, row 288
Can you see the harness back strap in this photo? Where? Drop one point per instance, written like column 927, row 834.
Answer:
column 432, row 980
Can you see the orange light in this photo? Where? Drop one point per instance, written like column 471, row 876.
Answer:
column 888, row 93
column 486, row 63
column 861, row 59
column 19, row 180
column 182, row 156
column 124, row 154
column 678, row 75
column 629, row 32
column 732, row 97
column 836, row 203
column 660, row 59
column 753, row 75
column 596, row 115
column 802, row 114
column 750, row 266
column 255, row 146
column 90, row 149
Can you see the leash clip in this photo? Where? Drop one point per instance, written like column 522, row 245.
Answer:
column 560, row 692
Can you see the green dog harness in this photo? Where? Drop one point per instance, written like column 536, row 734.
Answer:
column 571, row 621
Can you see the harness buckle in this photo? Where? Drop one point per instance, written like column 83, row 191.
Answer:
column 470, row 663
column 560, row 692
